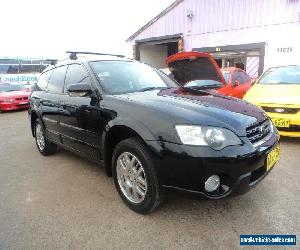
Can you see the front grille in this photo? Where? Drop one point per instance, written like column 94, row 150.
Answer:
column 258, row 131
column 292, row 128
column 281, row 110
column 22, row 105
column 22, row 98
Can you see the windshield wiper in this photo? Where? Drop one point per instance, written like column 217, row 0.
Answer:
column 197, row 90
column 150, row 88
column 206, row 86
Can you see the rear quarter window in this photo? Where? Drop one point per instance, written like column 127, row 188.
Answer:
column 57, row 80
column 43, row 81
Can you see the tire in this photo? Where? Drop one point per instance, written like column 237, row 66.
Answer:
column 139, row 188
column 44, row 146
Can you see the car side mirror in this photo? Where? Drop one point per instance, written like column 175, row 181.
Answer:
column 235, row 83
column 79, row 90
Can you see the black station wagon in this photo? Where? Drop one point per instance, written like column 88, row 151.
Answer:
column 148, row 132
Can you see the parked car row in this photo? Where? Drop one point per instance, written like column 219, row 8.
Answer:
column 191, row 69
column 277, row 91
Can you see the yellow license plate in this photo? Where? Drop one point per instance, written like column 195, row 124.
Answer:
column 281, row 123
column 273, row 157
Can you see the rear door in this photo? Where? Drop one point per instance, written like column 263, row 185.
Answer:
column 80, row 116
column 50, row 101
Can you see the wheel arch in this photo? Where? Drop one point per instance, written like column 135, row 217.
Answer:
column 116, row 134
column 33, row 117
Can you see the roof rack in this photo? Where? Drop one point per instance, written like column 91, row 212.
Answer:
column 73, row 54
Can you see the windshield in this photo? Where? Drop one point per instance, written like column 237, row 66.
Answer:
column 281, row 75
column 118, row 77
column 6, row 87
column 204, row 84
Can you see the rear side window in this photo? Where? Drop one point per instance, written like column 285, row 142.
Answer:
column 226, row 76
column 76, row 74
column 241, row 76
column 57, row 79
column 43, row 80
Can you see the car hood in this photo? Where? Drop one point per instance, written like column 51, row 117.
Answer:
column 274, row 94
column 191, row 66
column 184, row 106
column 15, row 94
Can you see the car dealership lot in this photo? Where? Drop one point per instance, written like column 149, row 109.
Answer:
column 64, row 201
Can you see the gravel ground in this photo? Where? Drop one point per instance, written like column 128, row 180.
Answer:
column 65, row 202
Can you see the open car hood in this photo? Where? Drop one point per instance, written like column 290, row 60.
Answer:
column 191, row 66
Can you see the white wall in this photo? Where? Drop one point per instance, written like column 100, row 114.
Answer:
column 154, row 55
column 276, row 37
column 283, row 46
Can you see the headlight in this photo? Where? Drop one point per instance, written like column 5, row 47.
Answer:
column 6, row 99
column 214, row 137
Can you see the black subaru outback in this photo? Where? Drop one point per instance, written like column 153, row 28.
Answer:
column 148, row 132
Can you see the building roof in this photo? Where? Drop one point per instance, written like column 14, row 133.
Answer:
column 165, row 11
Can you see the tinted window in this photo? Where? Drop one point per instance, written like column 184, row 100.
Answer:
column 76, row 74
column 43, row 80
column 57, row 80
column 241, row 76
column 226, row 75
column 284, row 75
column 118, row 77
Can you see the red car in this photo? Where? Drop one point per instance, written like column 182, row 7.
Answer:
column 200, row 70
column 13, row 96
column 238, row 82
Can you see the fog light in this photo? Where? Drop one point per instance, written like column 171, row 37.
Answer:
column 212, row 183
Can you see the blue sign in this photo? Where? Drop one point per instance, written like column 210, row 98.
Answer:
column 267, row 239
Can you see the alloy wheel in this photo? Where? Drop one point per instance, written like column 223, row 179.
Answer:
column 40, row 139
column 131, row 177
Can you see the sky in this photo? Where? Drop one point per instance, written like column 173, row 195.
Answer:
column 46, row 29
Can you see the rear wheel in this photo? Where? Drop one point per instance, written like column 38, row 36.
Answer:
column 44, row 146
column 135, row 177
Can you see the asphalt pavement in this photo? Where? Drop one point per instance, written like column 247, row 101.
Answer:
column 66, row 202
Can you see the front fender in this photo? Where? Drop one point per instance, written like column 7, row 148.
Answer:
column 135, row 128
column 139, row 127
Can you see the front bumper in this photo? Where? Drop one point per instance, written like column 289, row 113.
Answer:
column 294, row 129
column 239, row 167
column 13, row 106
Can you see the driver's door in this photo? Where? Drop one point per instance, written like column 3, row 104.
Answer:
column 80, row 116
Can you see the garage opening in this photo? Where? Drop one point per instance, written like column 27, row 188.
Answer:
column 154, row 52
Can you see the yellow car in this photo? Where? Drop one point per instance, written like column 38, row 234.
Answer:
column 277, row 92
